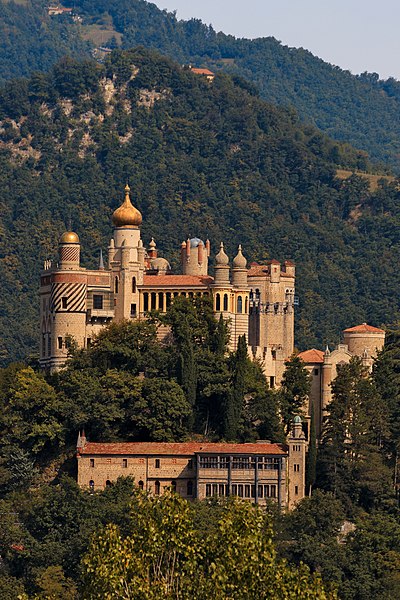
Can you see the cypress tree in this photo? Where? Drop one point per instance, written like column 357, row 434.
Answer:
column 235, row 399
column 311, row 465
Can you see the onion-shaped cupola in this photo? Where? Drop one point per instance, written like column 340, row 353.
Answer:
column 127, row 215
column 221, row 259
column 239, row 262
column 221, row 270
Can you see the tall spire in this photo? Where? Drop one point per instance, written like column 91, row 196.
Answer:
column 101, row 261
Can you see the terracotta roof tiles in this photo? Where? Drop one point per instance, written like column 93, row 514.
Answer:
column 179, row 281
column 363, row 328
column 180, row 449
column 312, row 356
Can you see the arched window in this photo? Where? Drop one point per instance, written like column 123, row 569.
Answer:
column 91, row 485
column 133, row 285
column 225, row 302
column 189, row 491
column 246, row 305
column 116, row 285
column 157, row 488
column 146, row 301
column 141, row 485
column 217, row 302
column 108, row 483
column 239, row 304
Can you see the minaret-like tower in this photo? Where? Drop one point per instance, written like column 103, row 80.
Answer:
column 126, row 259
column 240, row 291
column 223, row 297
column 63, row 294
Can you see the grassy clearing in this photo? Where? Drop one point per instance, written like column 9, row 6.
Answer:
column 99, row 34
column 370, row 177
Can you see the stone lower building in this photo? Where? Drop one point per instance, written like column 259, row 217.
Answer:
column 76, row 303
column 363, row 341
column 257, row 472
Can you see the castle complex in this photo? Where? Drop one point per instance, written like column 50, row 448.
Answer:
column 75, row 303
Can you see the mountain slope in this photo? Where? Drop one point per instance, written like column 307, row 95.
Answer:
column 362, row 110
column 206, row 160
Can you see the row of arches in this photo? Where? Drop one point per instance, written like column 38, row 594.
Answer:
column 222, row 304
column 162, row 300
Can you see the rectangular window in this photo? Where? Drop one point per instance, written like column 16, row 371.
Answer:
column 240, row 491
column 124, row 463
column 92, row 463
column 133, row 310
column 234, row 490
column 221, row 491
column 208, row 490
column 190, row 463
column 273, row 491
column 64, row 302
column 266, row 491
column 316, row 371
column 272, row 382
column 296, row 490
column 247, row 491
column 215, row 489
column 97, row 301
column 59, row 342
column 157, row 463
column 296, row 468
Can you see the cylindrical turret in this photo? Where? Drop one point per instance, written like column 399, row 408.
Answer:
column 194, row 259
column 364, row 341
column 69, row 251
column 221, row 276
column 239, row 271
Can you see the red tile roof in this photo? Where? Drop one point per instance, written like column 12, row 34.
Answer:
column 312, row 356
column 363, row 328
column 179, row 449
column 201, row 71
column 257, row 270
column 179, row 281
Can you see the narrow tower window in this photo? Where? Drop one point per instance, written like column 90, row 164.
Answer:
column 225, row 302
column 133, row 285
column 218, row 302
column 64, row 302
column 239, row 304
column 116, row 285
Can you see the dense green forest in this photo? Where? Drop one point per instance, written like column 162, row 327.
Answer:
column 209, row 160
column 362, row 110
column 60, row 542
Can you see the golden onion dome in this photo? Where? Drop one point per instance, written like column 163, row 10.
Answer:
column 127, row 215
column 69, row 237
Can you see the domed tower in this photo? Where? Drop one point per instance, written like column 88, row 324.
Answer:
column 222, row 292
column 69, row 250
column 63, row 292
column 240, row 295
column 126, row 258
column 194, row 256
column 364, row 341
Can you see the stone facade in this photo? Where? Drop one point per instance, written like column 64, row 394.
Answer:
column 256, row 472
column 363, row 341
column 76, row 303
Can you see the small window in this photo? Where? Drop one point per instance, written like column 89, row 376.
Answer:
column 218, row 302
column 91, row 485
column 190, row 463
column 124, row 463
column 97, row 302
column 260, row 491
column 225, row 302
column 247, row 491
column 92, row 463
column 239, row 305
column 141, row 485
column 208, row 490
column 234, row 490
column 133, row 285
column 189, row 491
column 316, row 371
column 272, row 382
column 64, row 302
column 273, row 491
column 59, row 343
column 116, row 285
column 108, row 483
column 157, row 488
column 157, row 463
column 173, row 485
column 133, row 310
column 296, row 490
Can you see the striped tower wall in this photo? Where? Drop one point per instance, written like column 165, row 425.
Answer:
column 68, row 307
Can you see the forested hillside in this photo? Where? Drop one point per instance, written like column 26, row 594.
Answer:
column 361, row 110
column 208, row 160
